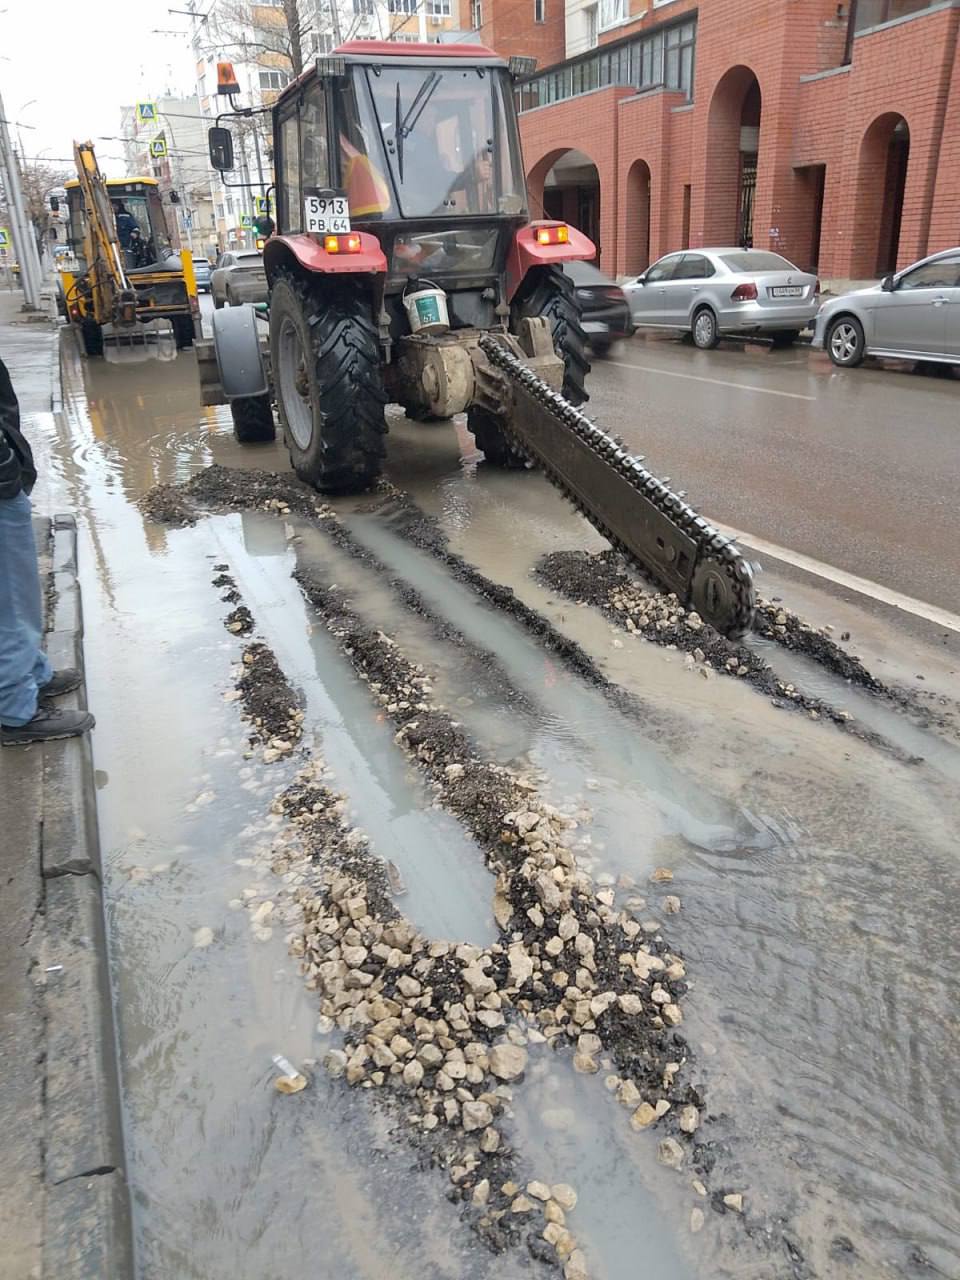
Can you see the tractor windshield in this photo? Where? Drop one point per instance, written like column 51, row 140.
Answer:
column 450, row 140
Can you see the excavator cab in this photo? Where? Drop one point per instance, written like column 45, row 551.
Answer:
column 123, row 270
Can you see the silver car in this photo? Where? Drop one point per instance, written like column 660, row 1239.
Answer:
column 709, row 292
column 912, row 315
column 239, row 277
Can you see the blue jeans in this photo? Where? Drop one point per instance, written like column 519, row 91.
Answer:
column 23, row 664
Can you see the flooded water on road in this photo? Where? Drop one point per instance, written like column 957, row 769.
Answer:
column 818, row 884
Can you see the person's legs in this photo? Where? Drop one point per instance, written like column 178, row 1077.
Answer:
column 23, row 664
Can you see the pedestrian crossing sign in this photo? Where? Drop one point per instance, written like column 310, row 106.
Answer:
column 246, row 221
column 260, row 205
column 146, row 112
column 158, row 148
column 4, row 238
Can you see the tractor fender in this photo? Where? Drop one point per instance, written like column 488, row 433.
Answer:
column 237, row 345
column 307, row 253
column 526, row 252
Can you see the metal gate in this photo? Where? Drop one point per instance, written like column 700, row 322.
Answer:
column 748, row 187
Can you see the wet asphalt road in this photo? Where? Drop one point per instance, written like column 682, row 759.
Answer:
column 858, row 468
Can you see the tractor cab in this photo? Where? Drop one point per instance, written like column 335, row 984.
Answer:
column 418, row 148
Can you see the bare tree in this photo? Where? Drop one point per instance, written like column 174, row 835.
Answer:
column 270, row 37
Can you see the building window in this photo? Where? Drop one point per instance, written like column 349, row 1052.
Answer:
column 438, row 8
column 273, row 79
column 363, row 8
column 871, row 13
column 612, row 13
column 476, row 14
column 402, row 6
column 663, row 58
column 591, row 18
column 539, row 10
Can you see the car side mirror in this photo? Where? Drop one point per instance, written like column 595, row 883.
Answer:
column 641, row 280
column 888, row 284
column 220, row 146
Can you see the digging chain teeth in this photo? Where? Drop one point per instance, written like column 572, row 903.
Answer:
column 712, row 545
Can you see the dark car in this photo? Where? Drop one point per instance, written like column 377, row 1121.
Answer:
column 605, row 312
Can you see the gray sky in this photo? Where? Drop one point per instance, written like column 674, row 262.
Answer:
column 82, row 60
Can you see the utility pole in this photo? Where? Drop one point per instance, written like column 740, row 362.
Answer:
column 30, row 275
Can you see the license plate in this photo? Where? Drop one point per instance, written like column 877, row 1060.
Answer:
column 787, row 291
column 326, row 215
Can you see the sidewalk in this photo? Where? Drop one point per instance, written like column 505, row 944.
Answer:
column 64, row 1202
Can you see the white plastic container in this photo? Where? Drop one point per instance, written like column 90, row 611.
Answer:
column 427, row 310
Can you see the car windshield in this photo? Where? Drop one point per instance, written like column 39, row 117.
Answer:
column 248, row 259
column 450, row 144
column 756, row 260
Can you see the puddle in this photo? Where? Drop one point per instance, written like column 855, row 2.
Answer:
column 573, row 1131
column 450, row 892
column 585, row 748
column 872, row 712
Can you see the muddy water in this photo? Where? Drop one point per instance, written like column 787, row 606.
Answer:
column 822, row 961
column 230, row 1179
column 821, row 936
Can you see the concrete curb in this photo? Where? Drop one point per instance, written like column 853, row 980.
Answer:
column 87, row 1228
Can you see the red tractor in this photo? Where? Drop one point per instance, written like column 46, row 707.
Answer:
column 405, row 268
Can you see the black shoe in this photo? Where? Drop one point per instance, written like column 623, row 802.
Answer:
column 60, row 682
column 46, row 726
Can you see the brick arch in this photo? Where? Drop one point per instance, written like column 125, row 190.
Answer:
column 596, row 225
column 635, row 233
column 537, row 172
column 738, row 86
column 882, row 165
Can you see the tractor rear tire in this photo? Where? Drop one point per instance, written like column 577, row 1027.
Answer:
column 183, row 331
column 549, row 293
column 328, row 379
column 91, row 335
column 492, row 441
column 253, row 419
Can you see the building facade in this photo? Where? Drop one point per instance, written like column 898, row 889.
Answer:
column 182, row 170
column 827, row 132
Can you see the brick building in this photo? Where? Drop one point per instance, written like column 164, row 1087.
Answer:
column 828, row 131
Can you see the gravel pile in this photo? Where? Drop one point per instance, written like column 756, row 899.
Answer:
column 445, row 1030
column 604, row 581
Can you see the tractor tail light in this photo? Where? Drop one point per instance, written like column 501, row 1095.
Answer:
column 342, row 244
column 553, row 235
column 744, row 292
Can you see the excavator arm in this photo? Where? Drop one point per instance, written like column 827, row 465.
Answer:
column 638, row 513
column 113, row 298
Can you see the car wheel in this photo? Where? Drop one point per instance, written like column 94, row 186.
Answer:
column 785, row 337
column 845, row 342
column 706, row 334
column 602, row 348
column 217, row 302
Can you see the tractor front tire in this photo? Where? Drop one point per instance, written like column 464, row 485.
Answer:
column 549, row 293
column 253, row 419
column 91, row 335
column 325, row 357
column 492, row 440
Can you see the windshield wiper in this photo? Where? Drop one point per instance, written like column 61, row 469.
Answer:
column 398, row 135
column 404, row 125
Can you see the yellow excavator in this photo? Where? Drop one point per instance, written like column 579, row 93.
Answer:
column 122, row 270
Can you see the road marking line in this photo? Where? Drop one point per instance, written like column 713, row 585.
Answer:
column 863, row 586
column 717, row 382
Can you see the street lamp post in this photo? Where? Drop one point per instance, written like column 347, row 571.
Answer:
column 30, row 274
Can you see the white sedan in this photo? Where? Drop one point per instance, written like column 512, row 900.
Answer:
column 710, row 292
